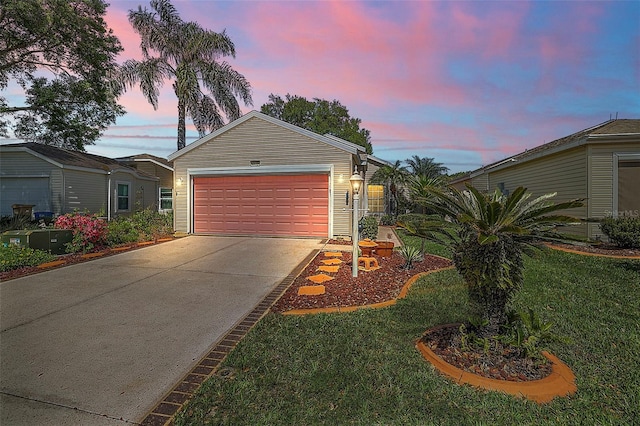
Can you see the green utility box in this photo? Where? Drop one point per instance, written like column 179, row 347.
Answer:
column 51, row 240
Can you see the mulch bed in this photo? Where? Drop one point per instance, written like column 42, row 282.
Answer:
column 367, row 288
column 500, row 362
column 600, row 249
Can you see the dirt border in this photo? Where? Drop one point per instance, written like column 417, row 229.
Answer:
column 586, row 253
column 561, row 381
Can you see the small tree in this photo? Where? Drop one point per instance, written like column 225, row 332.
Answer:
column 488, row 234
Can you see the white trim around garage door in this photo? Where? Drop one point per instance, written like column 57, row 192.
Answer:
column 258, row 170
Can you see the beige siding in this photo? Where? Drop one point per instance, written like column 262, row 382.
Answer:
column 144, row 193
column 151, row 168
column 601, row 164
column 272, row 145
column 564, row 173
column 17, row 164
column 481, row 182
column 85, row 191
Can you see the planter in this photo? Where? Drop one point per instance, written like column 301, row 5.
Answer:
column 561, row 381
column 366, row 247
column 384, row 249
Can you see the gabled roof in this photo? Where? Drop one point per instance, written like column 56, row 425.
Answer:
column 146, row 157
column 329, row 140
column 65, row 158
column 618, row 129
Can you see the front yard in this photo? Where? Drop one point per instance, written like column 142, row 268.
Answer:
column 362, row 367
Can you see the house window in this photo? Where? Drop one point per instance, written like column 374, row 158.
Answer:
column 375, row 196
column 124, row 196
column 166, row 199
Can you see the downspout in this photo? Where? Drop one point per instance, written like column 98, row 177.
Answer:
column 109, row 196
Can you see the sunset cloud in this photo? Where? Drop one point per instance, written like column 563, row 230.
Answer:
column 465, row 82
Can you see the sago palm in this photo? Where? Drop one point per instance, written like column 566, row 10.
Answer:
column 188, row 54
column 488, row 234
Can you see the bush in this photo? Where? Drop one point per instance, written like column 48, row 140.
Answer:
column 387, row 220
column 89, row 231
column 121, row 230
column 14, row 257
column 10, row 223
column 152, row 224
column 369, row 228
column 412, row 218
column 622, row 231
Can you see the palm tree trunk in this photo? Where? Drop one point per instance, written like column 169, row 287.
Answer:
column 182, row 112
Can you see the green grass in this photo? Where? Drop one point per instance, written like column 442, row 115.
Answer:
column 362, row 368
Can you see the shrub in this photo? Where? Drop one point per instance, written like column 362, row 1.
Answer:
column 387, row 220
column 10, row 223
column 121, row 230
column 89, row 231
column 369, row 227
column 622, row 231
column 410, row 255
column 152, row 224
column 14, row 257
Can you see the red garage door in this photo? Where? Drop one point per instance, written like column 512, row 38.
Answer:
column 294, row 205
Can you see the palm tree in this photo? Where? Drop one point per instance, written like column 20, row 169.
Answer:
column 426, row 167
column 394, row 177
column 488, row 234
column 188, row 54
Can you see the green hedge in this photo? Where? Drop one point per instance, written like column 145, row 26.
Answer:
column 622, row 231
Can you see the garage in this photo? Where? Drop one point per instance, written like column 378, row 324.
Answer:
column 25, row 190
column 275, row 205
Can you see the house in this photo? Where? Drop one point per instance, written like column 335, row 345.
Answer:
column 600, row 164
column 155, row 166
column 262, row 176
column 63, row 181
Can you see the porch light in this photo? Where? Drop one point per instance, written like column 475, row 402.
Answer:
column 179, row 182
column 356, row 182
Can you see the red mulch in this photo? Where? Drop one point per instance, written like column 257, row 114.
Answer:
column 500, row 362
column 367, row 288
column 601, row 249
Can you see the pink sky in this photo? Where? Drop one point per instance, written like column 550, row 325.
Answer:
column 467, row 83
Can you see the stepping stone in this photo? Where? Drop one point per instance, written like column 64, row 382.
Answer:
column 320, row 278
column 333, row 254
column 311, row 290
column 332, row 261
column 328, row 268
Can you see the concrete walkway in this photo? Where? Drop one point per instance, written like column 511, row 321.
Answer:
column 100, row 343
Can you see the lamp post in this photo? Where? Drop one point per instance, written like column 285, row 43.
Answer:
column 356, row 183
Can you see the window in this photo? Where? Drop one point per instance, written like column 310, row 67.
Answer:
column 124, row 197
column 375, row 196
column 166, row 199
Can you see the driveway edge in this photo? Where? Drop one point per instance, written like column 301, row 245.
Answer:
column 164, row 411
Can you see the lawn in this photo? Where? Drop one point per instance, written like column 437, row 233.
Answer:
column 362, row 368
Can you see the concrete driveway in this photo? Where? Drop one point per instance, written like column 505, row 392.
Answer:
column 99, row 343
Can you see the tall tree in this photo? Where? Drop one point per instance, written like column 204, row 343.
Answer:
column 190, row 55
column 394, row 177
column 426, row 167
column 70, row 40
column 319, row 116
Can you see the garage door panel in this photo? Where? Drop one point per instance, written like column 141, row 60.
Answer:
column 265, row 205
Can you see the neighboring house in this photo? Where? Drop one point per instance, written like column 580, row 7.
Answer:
column 155, row 166
column 262, row 176
column 63, row 181
column 600, row 164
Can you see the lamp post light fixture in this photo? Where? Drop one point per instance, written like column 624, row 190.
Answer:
column 356, row 183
